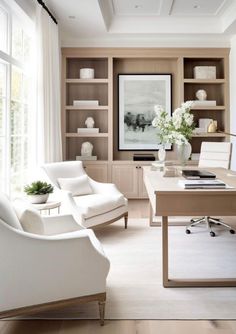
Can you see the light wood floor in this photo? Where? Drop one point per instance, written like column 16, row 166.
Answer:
column 137, row 209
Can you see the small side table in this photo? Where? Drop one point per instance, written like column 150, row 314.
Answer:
column 48, row 206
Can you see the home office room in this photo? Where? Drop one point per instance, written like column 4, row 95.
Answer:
column 117, row 166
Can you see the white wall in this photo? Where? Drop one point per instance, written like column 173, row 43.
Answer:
column 233, row 99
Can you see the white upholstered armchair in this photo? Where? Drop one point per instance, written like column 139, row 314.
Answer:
column 39, row 272
column 92, row 203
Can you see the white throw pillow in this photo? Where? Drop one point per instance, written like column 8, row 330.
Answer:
column 29, row 217
column 76, row 185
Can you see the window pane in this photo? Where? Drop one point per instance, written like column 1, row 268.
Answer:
column 16, row 119
column 2, row 161
column 17, row 40
column 15, row 185
column 26, row 47
column 3, row 30
column 2, row 80
column 16, row 154
column 16, row 84
column 2, row 114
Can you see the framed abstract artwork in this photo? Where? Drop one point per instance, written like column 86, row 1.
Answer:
column 138, row 94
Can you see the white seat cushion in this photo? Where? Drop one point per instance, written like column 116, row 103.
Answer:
column 97, row 204
column 76, row 185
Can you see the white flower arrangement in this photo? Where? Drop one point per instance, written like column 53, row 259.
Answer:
column 176, row 129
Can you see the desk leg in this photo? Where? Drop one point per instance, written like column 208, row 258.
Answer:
column 165, row 251
column 150, row 214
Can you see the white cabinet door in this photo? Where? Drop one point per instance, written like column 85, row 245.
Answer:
column 97, row 172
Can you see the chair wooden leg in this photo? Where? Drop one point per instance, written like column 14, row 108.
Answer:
column 101, row 305
column 126, row 220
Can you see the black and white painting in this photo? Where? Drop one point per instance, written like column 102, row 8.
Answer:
column 138, row 94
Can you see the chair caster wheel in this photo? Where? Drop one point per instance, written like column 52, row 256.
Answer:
column 192, row 221
column 187, row 231
column 232, row 231
column 212, row 234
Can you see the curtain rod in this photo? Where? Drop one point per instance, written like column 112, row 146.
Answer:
column 47, row 10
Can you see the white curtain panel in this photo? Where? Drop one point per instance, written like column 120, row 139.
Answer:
column 49, row 148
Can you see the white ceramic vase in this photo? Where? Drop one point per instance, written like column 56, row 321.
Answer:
column 38, row 199
column 161, row 153
column 184, row 151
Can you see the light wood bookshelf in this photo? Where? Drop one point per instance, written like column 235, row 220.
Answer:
column 107, row 64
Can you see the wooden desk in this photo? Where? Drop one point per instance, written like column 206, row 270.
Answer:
column 167, row 198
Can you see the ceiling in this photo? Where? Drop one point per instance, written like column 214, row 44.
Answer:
column 145, row 22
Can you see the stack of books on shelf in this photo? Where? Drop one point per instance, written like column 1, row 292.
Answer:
column 204, row 103
column 86, row 131
column 86, row 158
column 85, row 103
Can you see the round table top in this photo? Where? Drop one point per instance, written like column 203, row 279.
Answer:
column 48, row 205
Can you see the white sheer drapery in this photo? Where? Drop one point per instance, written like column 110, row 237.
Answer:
column 48, row 119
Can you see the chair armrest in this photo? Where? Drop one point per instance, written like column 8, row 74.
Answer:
column 60, row 224
column 104, row 188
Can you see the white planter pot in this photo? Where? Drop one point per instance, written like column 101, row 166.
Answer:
column 38, row 199
column 184, row 151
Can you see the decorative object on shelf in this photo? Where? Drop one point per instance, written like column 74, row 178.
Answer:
column 204, row 72
column 138, row 93
column 38, row 191
column 204, row 123
column 86, row 73
column 201, row 95
column 143, row 157
column 212, row 127
column 85, row 103
column 89, row 122
column 86, row 149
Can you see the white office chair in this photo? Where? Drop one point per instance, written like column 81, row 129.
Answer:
column 213, row 154
column 44, row 267
column 92, row 203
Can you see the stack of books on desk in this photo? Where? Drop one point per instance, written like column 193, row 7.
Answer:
column 202, row 184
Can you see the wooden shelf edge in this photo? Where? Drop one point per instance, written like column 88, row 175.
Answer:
column 205, row 81
column 213, row 134
column 87, row 108
column 95, row 135
column 87, row 81
column 217, row 108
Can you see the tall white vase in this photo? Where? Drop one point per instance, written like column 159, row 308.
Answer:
column 161, row 153
column 184, row 151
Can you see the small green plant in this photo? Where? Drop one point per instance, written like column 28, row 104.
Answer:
column 38, row 188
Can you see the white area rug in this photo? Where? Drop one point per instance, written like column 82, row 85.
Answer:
column 134, row 287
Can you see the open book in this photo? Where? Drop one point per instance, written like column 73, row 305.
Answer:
column 202, row 184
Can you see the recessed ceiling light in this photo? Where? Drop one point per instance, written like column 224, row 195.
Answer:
column 138, row 6
column 71, row 17
column 196, row 6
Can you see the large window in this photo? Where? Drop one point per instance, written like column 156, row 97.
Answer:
column 16, row 85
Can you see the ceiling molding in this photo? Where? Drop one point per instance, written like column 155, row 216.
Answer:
column 147, row 41
column 166, row 6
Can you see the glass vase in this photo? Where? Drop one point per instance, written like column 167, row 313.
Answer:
column 183, row 152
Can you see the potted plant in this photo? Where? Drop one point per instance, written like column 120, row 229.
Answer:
column 38, row 191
